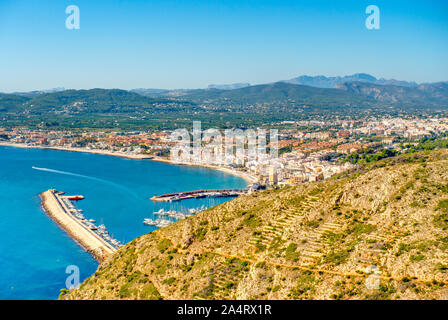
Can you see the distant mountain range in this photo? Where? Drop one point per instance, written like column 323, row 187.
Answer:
column 35, row 93
column 229, row 86
column 430, row 95
column 359, row 90
column 331, row 82
column 278, row 92
column 353, row 94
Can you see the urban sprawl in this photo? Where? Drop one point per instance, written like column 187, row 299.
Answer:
column 308, row 150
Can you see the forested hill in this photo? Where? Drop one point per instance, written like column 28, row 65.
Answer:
column 12, row 103
column 94, row 101
column 280, row 96
column 353, row 94
column 280, row 92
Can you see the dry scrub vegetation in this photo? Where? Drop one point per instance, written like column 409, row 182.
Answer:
column 313, row 241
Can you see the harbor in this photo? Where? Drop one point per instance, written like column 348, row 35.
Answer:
column 167, row 217
column 198, row 194
column 94, row 239
column 117, row 198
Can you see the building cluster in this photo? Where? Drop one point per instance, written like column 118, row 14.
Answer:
column 130, row 143
column 308, row 150
column 412, row 129
column 295, row 168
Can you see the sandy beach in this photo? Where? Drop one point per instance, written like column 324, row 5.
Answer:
column 246, row 176
column 95, row 151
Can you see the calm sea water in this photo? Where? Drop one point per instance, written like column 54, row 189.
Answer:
column 35, row 252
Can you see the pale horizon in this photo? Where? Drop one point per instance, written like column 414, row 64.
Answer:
column 164, row 44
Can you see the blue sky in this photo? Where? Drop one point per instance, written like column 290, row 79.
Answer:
column 191, row 44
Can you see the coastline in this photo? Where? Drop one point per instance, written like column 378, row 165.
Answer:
column 246, row 176
column 94, row 151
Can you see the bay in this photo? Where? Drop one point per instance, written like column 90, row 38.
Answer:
column 35, row 252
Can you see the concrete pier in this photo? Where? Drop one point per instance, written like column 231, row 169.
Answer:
column 89, row 240
column 177, row 196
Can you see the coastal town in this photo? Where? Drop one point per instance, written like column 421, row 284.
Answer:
column 307, row 150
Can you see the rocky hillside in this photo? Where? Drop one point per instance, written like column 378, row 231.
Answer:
column 314, row 241
column 433, row 95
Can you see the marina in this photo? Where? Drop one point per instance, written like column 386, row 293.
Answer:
column 117, row 198
column 167, row 217
column 198, row 194
column 94, row 239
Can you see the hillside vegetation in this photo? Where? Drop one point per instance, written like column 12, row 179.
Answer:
column 265, row 98
column 434, row 95
column 313, row 241
column 281, row 92
column 94, row 101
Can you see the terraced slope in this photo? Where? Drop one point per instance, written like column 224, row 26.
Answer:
column 313, row 241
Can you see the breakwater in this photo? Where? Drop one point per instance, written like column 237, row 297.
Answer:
column 197, row 194
column 57, row 208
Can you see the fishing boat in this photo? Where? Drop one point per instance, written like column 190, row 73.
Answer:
column 161, row 212
column 163, row 223
column 149, row 222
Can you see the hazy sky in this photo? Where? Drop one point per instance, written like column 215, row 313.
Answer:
column 190, row 44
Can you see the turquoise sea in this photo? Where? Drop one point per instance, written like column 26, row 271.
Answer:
column 35, row 252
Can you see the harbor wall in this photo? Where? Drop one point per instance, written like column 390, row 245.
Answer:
column 196, row 193
column 91, row 242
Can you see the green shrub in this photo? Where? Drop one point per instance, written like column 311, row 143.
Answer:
column 163, row 245
column 443, row 205
column 313, row 223
column 403, row 247
column 417, row 258
column 361, row 228
column 252, row 221
column 441, row 219
column 290, row 253
column 337, row 257
column 149, row 292
column 200, row 234
column 169, row 281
